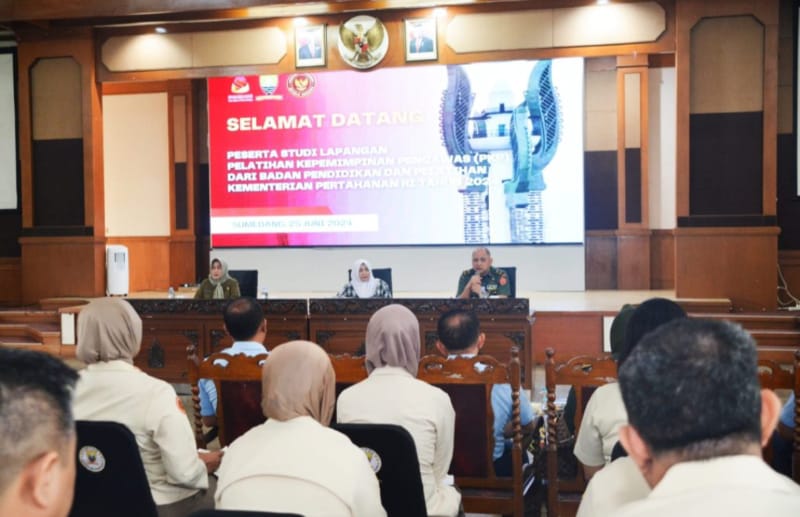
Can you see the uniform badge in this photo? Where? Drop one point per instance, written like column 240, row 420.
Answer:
column 92, row 459
column 503, row 280
column 179, row 402
column 374, row 459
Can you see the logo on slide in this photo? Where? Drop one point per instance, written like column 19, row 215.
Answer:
column 268, row 85
column 300, row 85
column 240, row 85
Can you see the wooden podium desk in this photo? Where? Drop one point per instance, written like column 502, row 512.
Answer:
column 339, row 325
column 172, row 326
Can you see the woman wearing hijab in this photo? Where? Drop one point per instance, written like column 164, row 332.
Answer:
column 218, row 285
column 363, row 285
column 294, row 462
column 393, row 395
column 112, row 388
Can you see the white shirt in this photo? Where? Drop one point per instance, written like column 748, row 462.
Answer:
column 391, row 395
column 150, row 408
column 298, row 466
column 604, row 415
column 614, row 485
column 730, row 486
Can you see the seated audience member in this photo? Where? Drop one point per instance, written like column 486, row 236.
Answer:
column 698, row 420
column 605, row 412
column 483, row 280
column 245, row 322
column 616, row 339
column 111, row 388
column 460, row 335
column 293, row 462
column 218, row 285
column 393, row 395
column 616, row 484
column 37, row 434
column 363, row 285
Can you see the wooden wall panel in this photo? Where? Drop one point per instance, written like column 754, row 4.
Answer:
column 569, row 333
column 735, row 263
column 148, row 262
column 601, row 260
column 662, row 259
column 181, row 260
column 633, row 259
column 10, row 281
column 62, row 266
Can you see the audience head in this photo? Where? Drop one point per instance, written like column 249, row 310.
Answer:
column 37, row 434
column 244, row 319
column 393, row 339
column 647, row 317
column 362, row 271
column 691, row 391
column 459, row 332
column 298, row 380
column 618, row 326
column 481, row 260
column 108, row 329
column 218, row 270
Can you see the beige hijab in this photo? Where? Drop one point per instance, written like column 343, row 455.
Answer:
column 108, row 329
column 298, row 380
column 393, row 339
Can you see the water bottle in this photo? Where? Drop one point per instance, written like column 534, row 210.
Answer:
column 171, row 293
column 264, row 293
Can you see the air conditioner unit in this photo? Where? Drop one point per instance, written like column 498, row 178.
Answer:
column 116, row 270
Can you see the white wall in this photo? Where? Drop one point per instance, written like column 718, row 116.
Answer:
column 8, row 135
column 136, row 165
column 415, row 270
column 663, row 135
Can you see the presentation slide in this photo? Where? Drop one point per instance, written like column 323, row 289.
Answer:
column 484, row 153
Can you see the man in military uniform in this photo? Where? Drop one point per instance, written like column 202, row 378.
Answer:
column 483, row 280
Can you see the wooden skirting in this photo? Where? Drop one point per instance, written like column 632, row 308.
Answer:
column 10, row 281
column 62, row 266
column 736, row 263
column 601, row 259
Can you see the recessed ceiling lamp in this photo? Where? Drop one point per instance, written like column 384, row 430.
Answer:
column 161, row 30
column 300, row 22
column 602, row 2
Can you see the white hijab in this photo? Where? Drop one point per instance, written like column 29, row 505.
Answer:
column 363, row 289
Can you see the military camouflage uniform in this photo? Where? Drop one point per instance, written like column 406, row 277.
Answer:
column 495, row 282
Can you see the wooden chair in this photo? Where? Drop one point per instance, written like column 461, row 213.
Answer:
column 584, row 374
column 470, row 391
column 238, row 382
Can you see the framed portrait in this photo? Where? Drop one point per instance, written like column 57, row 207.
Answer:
column 310, row 48
column 421, row 41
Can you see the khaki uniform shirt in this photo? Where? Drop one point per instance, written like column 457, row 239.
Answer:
column 618, row 483
column 604, row 415
column 729, row 486
column 391, row 395
column 149, row 407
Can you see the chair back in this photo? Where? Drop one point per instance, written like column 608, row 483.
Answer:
column 584, row 374
column 349, row 370
column 238, row 382
column 469, row 383
column 393, row 456
column 248, row 281
column 110, row 477
column 384, row 273
column 511, row 272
